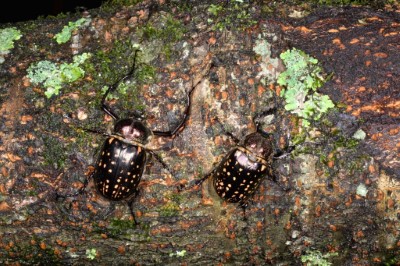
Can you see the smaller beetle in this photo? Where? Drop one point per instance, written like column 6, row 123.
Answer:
column 123, row 157
column 238, row 175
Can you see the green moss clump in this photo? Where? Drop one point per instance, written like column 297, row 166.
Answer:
column 53, row 76
column 302, row 78
column 235, row 14
column 166, row 35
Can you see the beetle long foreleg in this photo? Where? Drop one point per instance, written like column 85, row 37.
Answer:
column 107, row 109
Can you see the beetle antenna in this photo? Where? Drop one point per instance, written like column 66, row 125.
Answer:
column 106, row 108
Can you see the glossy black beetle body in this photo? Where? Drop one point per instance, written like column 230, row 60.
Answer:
column 240, row 172
column 122, row 160
column 238, row 175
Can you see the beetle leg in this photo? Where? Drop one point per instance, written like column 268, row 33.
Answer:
column 180, row 126
column 160, row 160
column 130, row 203
column 226, row 132
column 195, row 183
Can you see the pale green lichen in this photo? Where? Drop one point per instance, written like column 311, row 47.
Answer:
column 53, row 76
column 316, row 258
column 66, row 32
column 263, row 48
column 359, row 134
column 91, row 253
column 302, row 77
column 178, row 253
column 362, row 190
column 7, row 38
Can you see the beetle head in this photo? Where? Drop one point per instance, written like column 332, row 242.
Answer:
column 259, row 145
column 132, row 129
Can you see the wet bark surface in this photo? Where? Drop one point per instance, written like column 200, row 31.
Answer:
column 333, row 195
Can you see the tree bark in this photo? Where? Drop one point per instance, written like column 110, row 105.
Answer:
column 334, row 196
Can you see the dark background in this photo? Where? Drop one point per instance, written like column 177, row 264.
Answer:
column 14, row 11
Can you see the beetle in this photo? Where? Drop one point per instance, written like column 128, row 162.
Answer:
column 123, row 157
column 238, row 175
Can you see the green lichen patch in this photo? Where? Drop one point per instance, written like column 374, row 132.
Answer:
column 316, row 258
column 66, row 32
column 7, row 38
column 301, row 79
column 54, row 76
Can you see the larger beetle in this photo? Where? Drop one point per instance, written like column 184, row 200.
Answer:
column 123, row 156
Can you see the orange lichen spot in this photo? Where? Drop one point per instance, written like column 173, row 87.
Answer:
column 360, row 234
column 142, row 13
column 108, row 36
column 348, row 202
column 339, row 43
column 250, row 81
column 373, row 19
column 57, row 252
column 224, row 95
column 169, row 93
column 361, row 89
column 4, row 206
column 333, row 30
column 333, row 227
column 242, row 102
column 227, row 255
column 368, row 63
column 371, row 168
column 376, row 260
column 376, row 136
column 260, row 90
column 30, row 150
column 25, row 119
column 212, row 40
column 172, row 75
column 380, row 55
column 12, row 157
column 331, row 163
column 390, row 203
column 389, row 34
column 121, row 249
column 26, row 82
column 170, row 106
column 328, row 52
column 354, row 40
column 259, row 226
column 342, row 28
column 394, row 131
column 3, row 187
column 278, row 90
column 297, row 202
column 304, row 29
column 318, row 210
column 207, row 201
column 43, row 245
